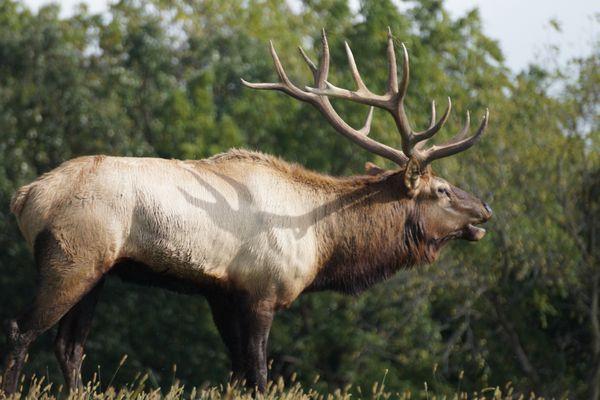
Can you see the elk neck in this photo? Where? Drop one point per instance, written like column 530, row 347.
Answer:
column 371, row 230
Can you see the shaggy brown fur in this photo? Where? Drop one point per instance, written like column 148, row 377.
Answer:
column 377, row 232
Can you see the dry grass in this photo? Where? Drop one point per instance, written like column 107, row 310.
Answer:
column 37, row 388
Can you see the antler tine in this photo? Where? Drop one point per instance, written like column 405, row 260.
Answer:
column 405, row 73
column 285, row 85
column 262, row 86
column 362, row 88
column 433, row 128
column 454, row 146
column 366, row 129
column 278, row 67
column 392, row 66
column 432, row 120
column 421, row 145
column 321, row 81
column 398, row 111
column 464, row 131
column 311, row 64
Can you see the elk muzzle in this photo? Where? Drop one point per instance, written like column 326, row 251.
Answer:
column 474, row 233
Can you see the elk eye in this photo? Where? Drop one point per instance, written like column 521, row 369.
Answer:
column 443, row 192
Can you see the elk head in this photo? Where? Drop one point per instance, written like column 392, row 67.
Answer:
column 445, row 211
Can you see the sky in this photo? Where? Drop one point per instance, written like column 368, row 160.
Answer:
column 522, row 27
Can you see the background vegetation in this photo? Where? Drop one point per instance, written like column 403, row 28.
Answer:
column 161, row 78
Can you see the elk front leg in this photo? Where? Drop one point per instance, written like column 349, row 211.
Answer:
column 227, row 319
column 256, row 318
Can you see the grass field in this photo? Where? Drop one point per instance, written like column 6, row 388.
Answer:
column 38, row 388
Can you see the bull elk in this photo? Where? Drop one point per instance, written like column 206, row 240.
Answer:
column 248, row 231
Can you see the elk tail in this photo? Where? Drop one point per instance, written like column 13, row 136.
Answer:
column 17, row 203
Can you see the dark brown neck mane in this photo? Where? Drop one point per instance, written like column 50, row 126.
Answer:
column 374, row 231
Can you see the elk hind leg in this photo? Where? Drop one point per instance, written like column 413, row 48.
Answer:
column 73, row 330
column 62, row 283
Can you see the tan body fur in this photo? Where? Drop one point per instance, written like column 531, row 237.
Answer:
column 247, row 220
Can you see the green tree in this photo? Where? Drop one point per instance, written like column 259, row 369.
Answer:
column 161, row 78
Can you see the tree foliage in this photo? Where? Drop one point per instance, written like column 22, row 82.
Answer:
column 161, row 78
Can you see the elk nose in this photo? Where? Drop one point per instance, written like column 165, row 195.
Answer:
column 488, row 209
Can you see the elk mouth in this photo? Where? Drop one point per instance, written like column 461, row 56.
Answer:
column 472, row 233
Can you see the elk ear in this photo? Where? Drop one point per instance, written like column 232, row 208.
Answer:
column 372, row 169
column 412, row 176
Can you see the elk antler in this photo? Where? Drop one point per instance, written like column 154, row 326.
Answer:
column 392, row 101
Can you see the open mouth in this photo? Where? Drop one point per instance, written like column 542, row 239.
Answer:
column 472, row 233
